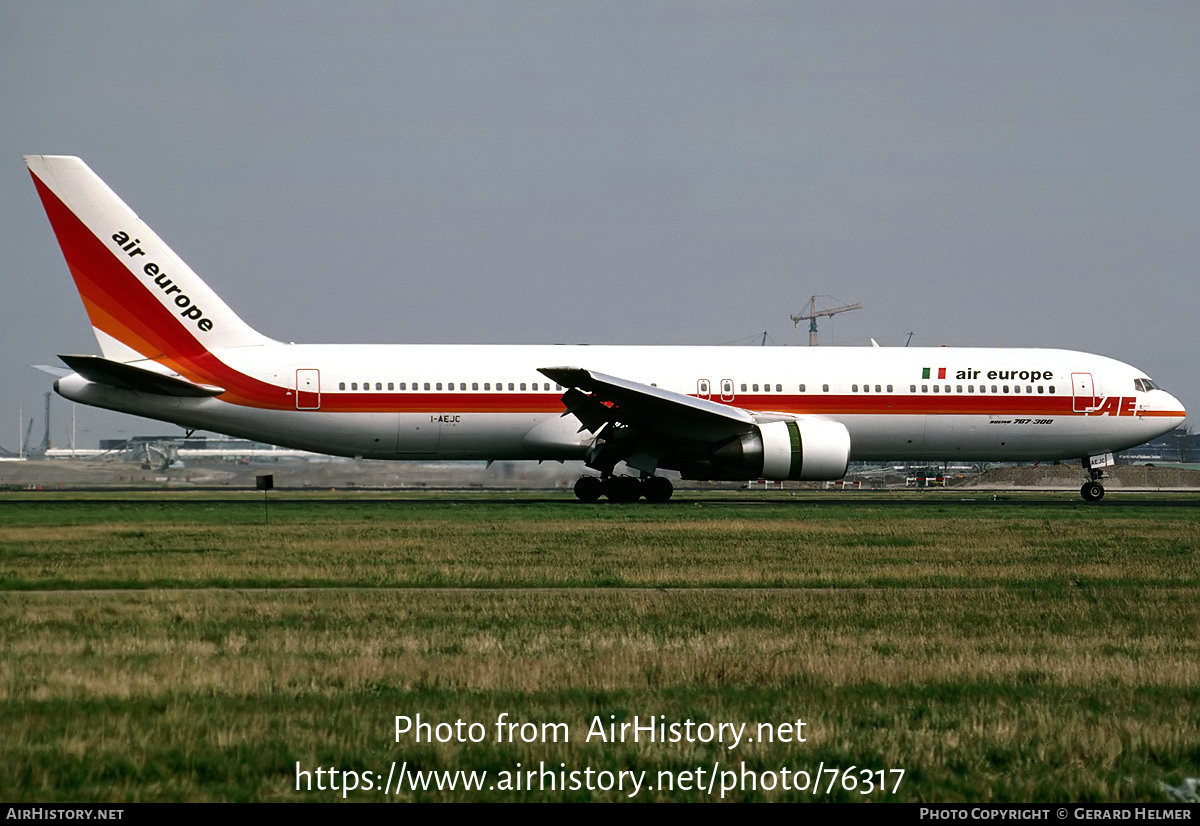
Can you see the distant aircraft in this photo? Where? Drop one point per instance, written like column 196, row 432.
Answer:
column 172, row 350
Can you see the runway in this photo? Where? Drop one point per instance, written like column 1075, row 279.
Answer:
column 285, row 499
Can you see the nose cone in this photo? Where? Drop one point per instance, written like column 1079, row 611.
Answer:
column 1166, row 410
column 1172, row 407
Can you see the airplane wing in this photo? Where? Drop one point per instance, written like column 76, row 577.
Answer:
column 597, row 399
column 648, row 427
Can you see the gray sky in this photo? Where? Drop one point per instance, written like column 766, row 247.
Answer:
column 687, row 173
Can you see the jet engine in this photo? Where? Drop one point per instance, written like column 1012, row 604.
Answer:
column 804, row 449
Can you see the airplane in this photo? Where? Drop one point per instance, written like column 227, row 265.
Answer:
column 172, row 350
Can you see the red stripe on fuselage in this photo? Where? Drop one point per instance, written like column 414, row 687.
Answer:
column 833, row 404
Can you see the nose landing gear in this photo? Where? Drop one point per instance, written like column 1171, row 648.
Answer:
column 1093, row 490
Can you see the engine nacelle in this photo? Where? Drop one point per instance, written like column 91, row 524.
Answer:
column 808, row 449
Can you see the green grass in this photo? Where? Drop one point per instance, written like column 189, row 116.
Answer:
column 995, row 652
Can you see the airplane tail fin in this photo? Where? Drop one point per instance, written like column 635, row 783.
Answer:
column 143, row 301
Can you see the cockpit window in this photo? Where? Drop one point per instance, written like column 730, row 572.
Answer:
column 1145, row 385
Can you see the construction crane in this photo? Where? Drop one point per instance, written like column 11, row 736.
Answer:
column 814, row 314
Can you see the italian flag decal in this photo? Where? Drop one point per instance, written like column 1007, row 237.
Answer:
column 925, row 371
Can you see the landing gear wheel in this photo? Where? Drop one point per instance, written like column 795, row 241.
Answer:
column 1092, row 491
column 623, row 489
column 588, row 489
column 658, row 489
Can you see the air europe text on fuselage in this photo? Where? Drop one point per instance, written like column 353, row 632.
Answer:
column 1005, row 375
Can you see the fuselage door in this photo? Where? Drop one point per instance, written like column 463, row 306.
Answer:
column 726, row 390
column 308, row 389
column 703, row 390
column 1083, row 392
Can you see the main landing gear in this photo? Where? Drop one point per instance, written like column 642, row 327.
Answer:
column 623, row 489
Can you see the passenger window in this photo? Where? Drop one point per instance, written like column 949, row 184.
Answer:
column 1052, row 388
column 487, row 385
column 912, row 388
column 391, row 386
column 755, row 388
column 936, row 388
column 474, row 385
column 889, row 388
column 378, row 385
column 510, row 386
column 924, row 388
column 1041, row 389
column 353, row 385
column 802, row 388
column 743, row 388
column 403, row 386
column 854, row 388
column 341, row 385
column 522, row 385
column 427, row 385
column 825, row 388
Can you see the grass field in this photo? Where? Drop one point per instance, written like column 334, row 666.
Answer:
column 179, row 649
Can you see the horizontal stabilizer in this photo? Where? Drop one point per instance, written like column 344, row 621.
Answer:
column 128, row 377
column 52, row 369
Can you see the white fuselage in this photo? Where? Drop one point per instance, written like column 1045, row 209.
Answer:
column 490, row 402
